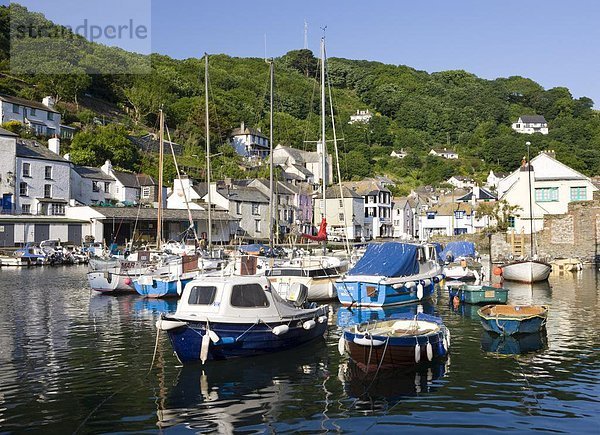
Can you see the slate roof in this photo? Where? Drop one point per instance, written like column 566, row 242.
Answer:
column 444, row 151
column 483, row 195
column 366, row 187
column 4, row 132
column 299, row 156
column 129, row 179
column 400, row 202
column 303, row 170
column 533, row 119
column 449, row 208
column 27, row 103
column 244, row 194
column 91, row 172
column 247, row 130
column 142, row 213
column 334, row 192
column 31, row 149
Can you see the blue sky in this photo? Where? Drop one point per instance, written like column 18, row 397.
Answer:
column 556, row 43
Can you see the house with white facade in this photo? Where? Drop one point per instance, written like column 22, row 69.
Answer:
column 291, row 159
column 344, row 213
column 444, row 153
column 91, row 186
column 477, row 194
column 494, row 178
column 361, row 116
column 451, row 219
column 131, row 188
column 43, row 178
column 399, row 154
column 402, row 218
column 529, row 124
column 41, row 118
column 250, row 142
column 8, row 151
column 460, row 181
column 553, row 186
column 377, row 207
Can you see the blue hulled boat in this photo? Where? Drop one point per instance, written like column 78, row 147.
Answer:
column 168, row 280
column 391, row 273
column 348, row 316
column 513, row 319
column 224, row 317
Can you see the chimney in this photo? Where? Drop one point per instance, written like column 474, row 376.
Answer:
column 48, row 101
column 242, row 127
column 475, row 196
column 228, row 181
column 107, row 167
column 54, row 145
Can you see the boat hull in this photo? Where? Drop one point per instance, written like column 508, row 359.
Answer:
column 513, row 324
column 373, row 294
column 242, row 340
column 478, row 294
column 319, row 289
column 160, row 288
column 461, row 273
column 109, row 282
column 526, row 271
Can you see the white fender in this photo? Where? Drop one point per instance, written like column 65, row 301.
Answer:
column 420, row 291
column 280, row 330
column 427, row 281
column 322, row 319
column 409, row 284
column 204, row 348
column 365, row 341
column 342, row 345
column 166, row 325
column 309, row 324
column 417, row 353
column 179, row 289
column 445, row 344
column 213, row 336
column 448, row 337
column 429, row 351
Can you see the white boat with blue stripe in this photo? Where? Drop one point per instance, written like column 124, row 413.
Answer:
column 391, row 273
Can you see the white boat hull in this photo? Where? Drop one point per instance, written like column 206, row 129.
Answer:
column 319, row 289
column 526, row 271
column 461, row 273
column 107, row 282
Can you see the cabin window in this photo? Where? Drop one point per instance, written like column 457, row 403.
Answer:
column 248, row 296
column 578, row 193
column 202, row 295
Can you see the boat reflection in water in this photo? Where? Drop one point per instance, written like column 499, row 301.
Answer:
column 391, row 383
column 523, row 293
column 347, row 316
column 514, row 344
column 152, row 307
column 224, row 396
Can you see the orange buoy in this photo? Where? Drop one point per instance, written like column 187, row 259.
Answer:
column 497, row 271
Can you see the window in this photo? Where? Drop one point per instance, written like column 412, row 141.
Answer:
column 202, row 295
column 518, row 125
column 50, row 116
column 459, row 214
column 95, row 187
column 58, row 209
column 26, row 209
column 47, row 191
column 341, row 217
column 341, row 203
column 26, row 170
column 546, row 194
column 23, row 189
column 257, row 226
column 511, row 222
column 430, row 215
column 16, row 108
column 107, row 186
column 255, row 208
column 50, row 131
column 578, row 193
column 248, row 296
column 48, row 172
column 32, row 111
column 146, row 192
column 238, row 207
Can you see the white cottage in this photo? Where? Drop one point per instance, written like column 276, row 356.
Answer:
column 250, row 142
column 41, row 118
column 530, row 124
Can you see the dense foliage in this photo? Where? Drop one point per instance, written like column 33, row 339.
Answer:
column 414, row 110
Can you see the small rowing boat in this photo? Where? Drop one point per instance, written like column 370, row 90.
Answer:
column 513, row 319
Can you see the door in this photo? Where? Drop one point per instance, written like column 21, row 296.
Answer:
column 75, row 234
column 7, row 234
column 7, row 203
column 42, row 232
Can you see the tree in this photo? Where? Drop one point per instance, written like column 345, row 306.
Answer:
column 498, row 212
column 93, row 147
column 302, row 61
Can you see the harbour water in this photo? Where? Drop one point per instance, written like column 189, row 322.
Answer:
column 74, row 361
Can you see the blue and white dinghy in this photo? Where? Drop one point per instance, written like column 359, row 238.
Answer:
column 224, row 317
column 391, row 273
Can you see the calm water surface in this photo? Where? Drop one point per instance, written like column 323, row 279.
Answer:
column 73, row 361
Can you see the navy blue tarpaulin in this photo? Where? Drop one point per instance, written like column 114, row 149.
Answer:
column 389, row 259
column 458, row 249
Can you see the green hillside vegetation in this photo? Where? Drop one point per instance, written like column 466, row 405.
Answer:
column 415, row 110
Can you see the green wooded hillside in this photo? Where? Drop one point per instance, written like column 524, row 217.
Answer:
column 415, row 110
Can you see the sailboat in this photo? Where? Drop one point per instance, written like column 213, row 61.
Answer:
column 317, row 273
column 532, row 269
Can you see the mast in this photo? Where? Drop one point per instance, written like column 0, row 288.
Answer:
column 161, row 156
column 530, row 203
column 209, row 232
column 323, row 139
column 271, row 186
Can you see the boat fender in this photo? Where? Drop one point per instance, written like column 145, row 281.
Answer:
column 166, row 325
column 409, row 284
column 227, row 340
column 436, row 279
column 397, row 286
column 417, row 353
column 179, row 289
column 420, row 291
column 342, row 345
column 322, row 319
column 309, row 324
column 427, row 282
column 367, row 341
column 213, row 336
column 127, row 281
column 280, row 330
column 204, row 347
column 445, row 343
column 448, row 338
column 443, row 275
column 429, row 351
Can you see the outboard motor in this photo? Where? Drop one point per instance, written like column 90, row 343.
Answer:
column 297, row 294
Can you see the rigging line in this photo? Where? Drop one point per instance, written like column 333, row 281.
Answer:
column 187, row 204
column 212, row 94
column 310, row 108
